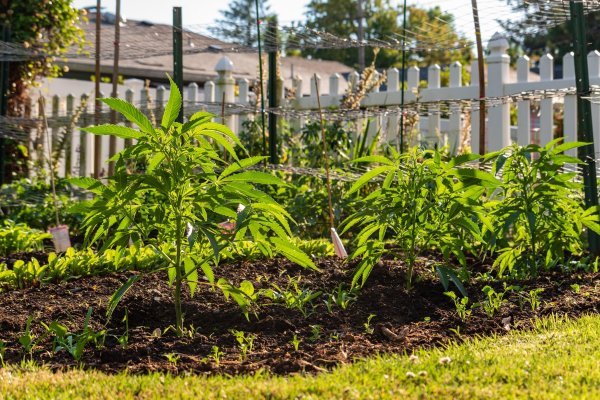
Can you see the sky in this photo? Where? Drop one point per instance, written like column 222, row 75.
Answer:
column 205, row 12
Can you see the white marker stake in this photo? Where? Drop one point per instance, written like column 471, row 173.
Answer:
column 60, row 237
column 340, row 251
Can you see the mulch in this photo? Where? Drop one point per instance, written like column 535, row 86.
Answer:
column 403, row 320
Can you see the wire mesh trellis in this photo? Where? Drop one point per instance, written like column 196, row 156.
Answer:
column 542, row 14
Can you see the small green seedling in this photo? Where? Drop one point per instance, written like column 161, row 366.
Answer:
column 216, row 355
column 245, row 342
column 315, row 332
column 493, row 302
column 368, row 328
column 461, row 304
column 296, row 342
column 173, row 358
column 576, row 288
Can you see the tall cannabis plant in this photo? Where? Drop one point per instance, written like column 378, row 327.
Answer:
column 185, row 192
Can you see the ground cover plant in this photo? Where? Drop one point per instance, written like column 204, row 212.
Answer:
column 30, row 202
column 15, row 238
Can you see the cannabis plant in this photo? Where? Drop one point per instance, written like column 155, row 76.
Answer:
column 192, row 192
column 421, row 202
column 537, row 211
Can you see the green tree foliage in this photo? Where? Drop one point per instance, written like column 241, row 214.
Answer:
column 536, row 36
column 45, row 26
column 383, row 20
column 239, row 21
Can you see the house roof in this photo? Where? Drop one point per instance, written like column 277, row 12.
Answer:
column 145, row 53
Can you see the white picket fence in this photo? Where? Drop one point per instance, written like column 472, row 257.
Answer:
column 433, row 129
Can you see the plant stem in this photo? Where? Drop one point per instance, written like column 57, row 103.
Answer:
column 178, row 279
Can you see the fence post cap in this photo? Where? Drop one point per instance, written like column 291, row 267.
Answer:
column 224, row 65
column 498, row 44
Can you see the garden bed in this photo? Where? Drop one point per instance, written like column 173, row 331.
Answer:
column 402, row 321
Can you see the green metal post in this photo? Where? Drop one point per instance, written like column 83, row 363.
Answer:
column 584, row 116
column 178, row 54
column 273, row 100
column 261, row 79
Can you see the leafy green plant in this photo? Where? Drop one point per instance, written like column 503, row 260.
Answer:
column 245, row 295
column 27, row 339
column 216, row 354
column 341, row 298
column 173, row 358
column 533, row 298
column 315, row 332
column 461, row 304
column 296, row 342
column 493, row 301
column 368, row 328
column 245, row 342
column 576, row 288
column 124, row 338
column 17, row 238
column 293, row 296
column 421, row 202
column 22, row 274
column 76, row 343
column 193, row 189
column 537, row 210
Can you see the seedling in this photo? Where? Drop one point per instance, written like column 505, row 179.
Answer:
column 124, row 338
column 368, row 328
column 461, row 304
column 27, row 339
column 216, row 355
column 173, row 358
column 315, row 332
column 576, row 288
column 341, row 297
column 293, row 296
column 75, row 343
column 534, row 298
column 296, row 342
column 245, row 342
column 493, row 302
column 456, row 330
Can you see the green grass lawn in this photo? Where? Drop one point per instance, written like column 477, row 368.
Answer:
column 558, row 360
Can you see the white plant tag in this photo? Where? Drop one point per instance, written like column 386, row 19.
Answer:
column 340, row 251
column 60, row 237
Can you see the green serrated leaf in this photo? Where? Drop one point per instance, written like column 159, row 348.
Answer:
column 173, row 106
column 114, row 130
column 131, row 113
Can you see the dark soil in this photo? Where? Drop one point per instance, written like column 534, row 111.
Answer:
column 403, row 321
